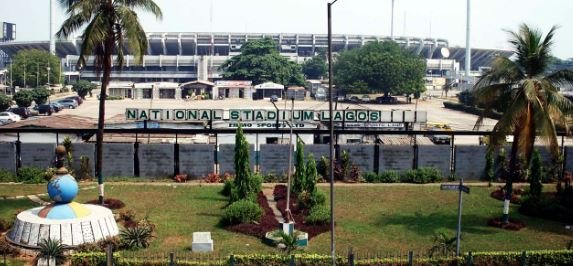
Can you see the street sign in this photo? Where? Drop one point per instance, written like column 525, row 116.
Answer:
column 455, row 187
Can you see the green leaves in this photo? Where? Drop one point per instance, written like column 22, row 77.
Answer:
column 261, row 62
column 30, row 68
column 380, row 67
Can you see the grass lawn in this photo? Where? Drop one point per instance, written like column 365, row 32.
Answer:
column 369, row 218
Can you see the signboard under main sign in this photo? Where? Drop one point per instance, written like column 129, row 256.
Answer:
column 360, row 116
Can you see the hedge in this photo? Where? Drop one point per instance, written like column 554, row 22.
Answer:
column 539, row 257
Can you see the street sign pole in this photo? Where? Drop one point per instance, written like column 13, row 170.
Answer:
column 459, row 230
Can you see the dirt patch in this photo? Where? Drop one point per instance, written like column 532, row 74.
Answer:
column 513, row 225
column 110, row 203
column 175, row 241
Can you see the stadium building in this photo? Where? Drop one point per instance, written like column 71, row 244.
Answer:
column 185, row 57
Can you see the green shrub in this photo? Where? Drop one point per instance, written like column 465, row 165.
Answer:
column 318, row 215
column 52, row 248
column 227, row 187
column 536, row 170
column 308, row 200
column 389, row 176
column 31, row 175
column 136, row 237
column 242, row 211
column 7, row 176
column 256, row 183
column 421, row 176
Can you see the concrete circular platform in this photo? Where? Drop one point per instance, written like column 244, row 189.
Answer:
column 29, row 228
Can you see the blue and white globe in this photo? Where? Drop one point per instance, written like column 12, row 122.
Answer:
column 63, row 189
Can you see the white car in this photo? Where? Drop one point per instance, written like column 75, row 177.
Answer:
column 9, row 116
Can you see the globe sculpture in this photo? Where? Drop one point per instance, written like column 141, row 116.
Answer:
column 70, row 222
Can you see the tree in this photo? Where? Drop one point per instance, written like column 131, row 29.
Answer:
column 315, row 68
column 299, row 181
column 380, row 67
column 260, row 61
column 242, row 168
column 536, row 175
column 83, row 87
column 23, row 98
column 534, row 106
column 311, row 174
column 108, row 26
column 40, row 95
column 31, row 66
column 5, row 102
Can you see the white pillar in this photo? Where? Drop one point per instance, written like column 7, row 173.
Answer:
column 468, row 47
column 52, row 27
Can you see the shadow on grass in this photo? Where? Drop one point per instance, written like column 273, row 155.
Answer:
column 430, row 224
column 210, row 198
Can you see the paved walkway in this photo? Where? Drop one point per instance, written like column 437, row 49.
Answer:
column 268, row 192
column 36, row 197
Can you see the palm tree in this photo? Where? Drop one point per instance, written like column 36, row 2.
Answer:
column 110, row 25
column 529, row 98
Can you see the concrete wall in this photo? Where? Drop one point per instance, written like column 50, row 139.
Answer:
column 39, row 155
column 197, row 160
column 437, row 156
column 470, row 161
column 396, row 157
column 569, row 158
column 360, row 155
column 118, row 159
column 8, row 156
column 317, row 151
column 274, row 158
column 226, row 157
column 156, row 160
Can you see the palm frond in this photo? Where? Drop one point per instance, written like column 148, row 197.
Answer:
column 561, row 77
column 132, row 30
column 145, row 5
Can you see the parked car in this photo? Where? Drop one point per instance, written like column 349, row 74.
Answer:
column 5, row 122
column 365, row 99
column 23, row 112
column 439, row 138
column 354, row 99
column 78, row 99
column 47, row 109
column 386, row 99
column 9, row 116
column 274, row 98
column 57, row 107
column 68, row 103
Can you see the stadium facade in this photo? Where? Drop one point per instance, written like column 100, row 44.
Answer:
column 183, row 57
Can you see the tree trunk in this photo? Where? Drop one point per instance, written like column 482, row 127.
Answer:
column 101, row 117
column 513, row 172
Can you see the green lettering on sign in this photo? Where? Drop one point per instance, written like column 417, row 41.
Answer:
column 338, row 116
column 349, row 116
column 362, row 116
column 192, row 115
column 179, row 114
column 205, row 114
column 131, row 114
column 234, row 115
column 143, row 115
column 307, row 115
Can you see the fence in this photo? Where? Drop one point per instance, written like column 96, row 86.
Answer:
column 410, row 258
column 135, row 158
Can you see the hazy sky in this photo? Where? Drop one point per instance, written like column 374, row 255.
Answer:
column 419, row 18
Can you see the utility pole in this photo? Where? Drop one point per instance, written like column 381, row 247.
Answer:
column 468, row 47
column 392, row 22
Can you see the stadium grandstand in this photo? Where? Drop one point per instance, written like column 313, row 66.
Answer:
column 183, row 57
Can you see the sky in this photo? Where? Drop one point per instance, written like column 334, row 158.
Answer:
column 417, row 18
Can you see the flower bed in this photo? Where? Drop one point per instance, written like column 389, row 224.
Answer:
column 266, row 223
column 280, row 193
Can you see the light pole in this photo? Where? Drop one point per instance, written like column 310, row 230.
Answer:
column 48, row 68
column 331, row 132
column 468, row 47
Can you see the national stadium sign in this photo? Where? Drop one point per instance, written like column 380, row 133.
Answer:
column 262, row 115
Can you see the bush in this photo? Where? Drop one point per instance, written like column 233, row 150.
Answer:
column 536, row 170
column 136, row 237
column 7, row 176
column 421, row 176
column 318, row 215
column 52, row 248
column 309, row 200
column 227, row 187
column 242, row 211
column 84, row 173
column 384, row 177
column 273, row 178
column 31, row 175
